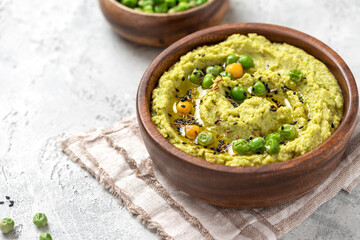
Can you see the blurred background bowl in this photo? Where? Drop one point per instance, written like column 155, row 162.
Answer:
column 161, row 29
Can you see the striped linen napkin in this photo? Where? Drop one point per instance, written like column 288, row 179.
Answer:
column 117, row 157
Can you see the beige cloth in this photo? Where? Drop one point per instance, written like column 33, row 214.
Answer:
column 117, row 157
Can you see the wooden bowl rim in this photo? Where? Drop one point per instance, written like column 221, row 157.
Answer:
column 346, row 124
column 160, row 15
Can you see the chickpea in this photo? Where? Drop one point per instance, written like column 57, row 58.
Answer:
column 191, row 131
column 183, row 108
column 235, row 69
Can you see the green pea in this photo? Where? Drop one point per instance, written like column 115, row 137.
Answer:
column 207, row 81
column 258, row 88
column 183, row 6
column 40, row 220
column 238, row 93
column 172, row 10
column 196, row 76
column 295, row 75
column 170, row 3
column 275, row 136
column 214, row 70
column 129, row 3
column 246, row 61
column 272, row 146
column 287, row 131
column 200, row 2
column 158, row 1
column 241, row 146
column 205, row 138
column 161, row 8
column 231, row 59
column 257, row 145
column 148, row 9
column 45, row 236
column 7, row 225
column 226, row 74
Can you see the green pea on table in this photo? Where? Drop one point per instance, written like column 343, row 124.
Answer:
column 40, row 220
column 45, row 236
column 7, row 225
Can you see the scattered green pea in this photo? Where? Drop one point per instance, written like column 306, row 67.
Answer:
column 205, row 138
column 272, row 146
column 40, row 220
column 238, row 93
column 287, row 131
column 45, row 236
column 257, row 145
column 231, row 59
column 246, row 61
column 275, row 136
column 196, row 75
column 7, row 225
column 207, row 81
column 226, row 74
column 258, row 88
column 241, row 146
column 295, row 75
column 214, row 70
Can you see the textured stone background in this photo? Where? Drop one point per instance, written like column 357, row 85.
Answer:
column 62, row 70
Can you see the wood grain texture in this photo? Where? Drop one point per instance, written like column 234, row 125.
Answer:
column 247, row 187
column 161, row 30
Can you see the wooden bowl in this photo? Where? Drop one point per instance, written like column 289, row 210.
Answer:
column 161, row 30
column 247, row 187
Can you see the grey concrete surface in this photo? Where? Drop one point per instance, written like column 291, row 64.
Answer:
column 62, row 71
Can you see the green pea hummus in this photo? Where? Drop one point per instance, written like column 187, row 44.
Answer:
column 313, row 105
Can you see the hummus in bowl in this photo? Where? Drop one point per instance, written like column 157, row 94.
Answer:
column 247, row 101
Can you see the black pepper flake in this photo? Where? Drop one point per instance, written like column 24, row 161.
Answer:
column 195, row 73
column 177, row 90
column 169, row 115
column 184, row 143
column 279, row 74
column 183, row 78
column 301, row 127
column 294, row 93
column 7, row 197
column 229, row 88
column 252, row 75
column 1, row 202
column 276, row 91
column 283, row 143
column 250, row 138
column 309, row 120
column 259, row 78
column 203, row 55
column 332, row 125
column 234, row 104
column 201, row 100
column 214, row 153
column 235, row 123
column 282, row 127
column 216, row 122
column 183, row 106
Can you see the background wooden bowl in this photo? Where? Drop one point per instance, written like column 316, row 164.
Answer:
column 247, row 187
column 161, row 30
